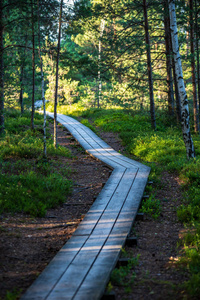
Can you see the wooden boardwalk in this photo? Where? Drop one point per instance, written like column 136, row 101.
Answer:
column 82, row 268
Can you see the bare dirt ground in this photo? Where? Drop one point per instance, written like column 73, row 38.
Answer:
column 28, row 244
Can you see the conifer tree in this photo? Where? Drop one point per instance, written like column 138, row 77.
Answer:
column 1, row 71
column 57, row 68
column 148, row 49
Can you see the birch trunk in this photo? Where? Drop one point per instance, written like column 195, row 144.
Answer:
column 194, row 88
column 178, row 101
column 181, row 86
column 56, row 87
column 1, row 72
column 152, row 107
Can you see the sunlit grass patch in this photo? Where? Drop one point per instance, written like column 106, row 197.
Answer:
column 29, row 183
column 31, row 192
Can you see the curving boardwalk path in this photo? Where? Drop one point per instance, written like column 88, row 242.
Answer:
column 82, row 268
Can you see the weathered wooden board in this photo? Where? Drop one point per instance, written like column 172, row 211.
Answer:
column 83, row 266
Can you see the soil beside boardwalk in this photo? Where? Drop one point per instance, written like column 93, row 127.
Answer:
column 28, row 244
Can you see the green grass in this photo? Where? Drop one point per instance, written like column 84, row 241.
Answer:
column 163, row 149
column 29, row 183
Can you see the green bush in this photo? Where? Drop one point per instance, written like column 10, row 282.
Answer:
column 32, row 193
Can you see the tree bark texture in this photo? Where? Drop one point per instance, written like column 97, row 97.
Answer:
column 1, row 72
column 185, row 120
column 57, row 67
column 147, row 40
column 21, row 88
column 42, row 87
column 178, row 100
column 168, row 59
column 197, row 32
column 192, row 49
column 99, row 62
column 33, row 69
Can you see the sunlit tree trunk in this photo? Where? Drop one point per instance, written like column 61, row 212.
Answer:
column 21, row 88
column 42, row 87
column 152, row 107
column 181, row 86
column 168, row 59
column 194, row 88
column 33, row 68
column 1, row 72
column 21, row 100
column 57, row 66
column 99, row 63
column 178, row 101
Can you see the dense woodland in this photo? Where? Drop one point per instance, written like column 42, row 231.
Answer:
column 130, row 66
column 102, row 53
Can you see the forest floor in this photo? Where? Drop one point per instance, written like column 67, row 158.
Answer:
column 28, row 244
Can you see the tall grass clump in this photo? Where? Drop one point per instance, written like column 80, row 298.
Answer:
column 29, row 183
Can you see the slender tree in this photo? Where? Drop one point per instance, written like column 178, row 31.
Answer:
column 194, row 88
column 168, row 59
column 1, row 71
column 197, row 49
column 152, row 106
column 42, row 84
column 57, row 67
column 99, row 61
column 33, row 66
column 185, row 122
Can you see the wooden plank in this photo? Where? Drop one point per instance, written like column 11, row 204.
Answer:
column 81, row 265
column 95, row 212
column 54, row 271
column 82, row 268
column 95, row 282
column 96, row 146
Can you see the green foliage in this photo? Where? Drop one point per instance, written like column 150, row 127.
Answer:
column 31, row 192
column 29, row 183
column 151, row 207
column 13, row 295
column 191, row 259
column 124, row 276
column 88, row 124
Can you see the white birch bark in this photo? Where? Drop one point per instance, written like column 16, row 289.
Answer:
column 185, row 122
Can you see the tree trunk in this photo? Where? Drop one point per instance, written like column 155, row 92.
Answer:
column 178, row 100
column 21, row 89
column 197, row 50
column 33, row 69
column 57, row 67
column 152, row 107
column 168, row 60
column 21, row 100
column 42, row 88
column 195, row 108
column 1, row 72
column 99, row 63
column 181, row 86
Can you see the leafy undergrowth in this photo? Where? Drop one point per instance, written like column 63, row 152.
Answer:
column 28, row 182
column 162, row 150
